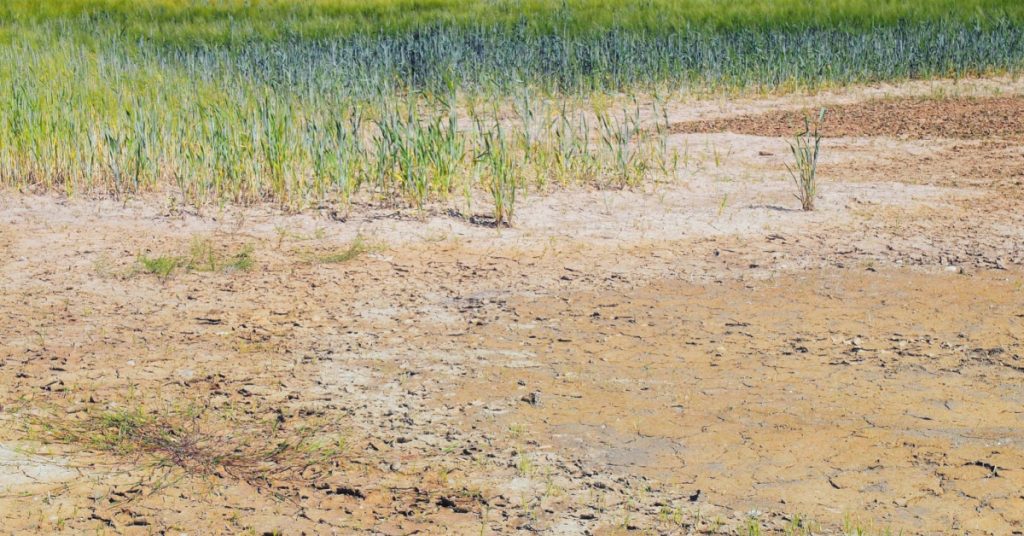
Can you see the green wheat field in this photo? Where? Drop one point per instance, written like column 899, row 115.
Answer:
column 308, row 103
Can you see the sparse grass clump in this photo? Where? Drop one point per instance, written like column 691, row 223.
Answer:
column 357, row 248
column 191, row 440
column 203, row 256
column 162, row 266
column 806, row 148
column 502, row 179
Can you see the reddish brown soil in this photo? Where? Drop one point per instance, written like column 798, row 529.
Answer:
column 921, row 118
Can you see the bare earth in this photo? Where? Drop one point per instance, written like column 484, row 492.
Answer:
column 691, row 358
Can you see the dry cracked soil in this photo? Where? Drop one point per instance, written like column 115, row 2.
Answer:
column 696, row 357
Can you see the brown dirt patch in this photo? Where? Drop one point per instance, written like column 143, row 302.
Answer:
column 905, row 118
column 837, row 392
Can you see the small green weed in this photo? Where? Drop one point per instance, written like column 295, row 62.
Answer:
column 162, row 266
column 203, row 256
column 357, row 248
column 753, row 527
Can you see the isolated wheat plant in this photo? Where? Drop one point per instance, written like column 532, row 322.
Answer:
column 503, row 185
column 806, row 149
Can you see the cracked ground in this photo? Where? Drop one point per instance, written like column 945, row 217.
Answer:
column 696, row 357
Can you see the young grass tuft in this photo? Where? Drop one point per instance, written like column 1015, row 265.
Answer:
column 203, row 256
column 806, row 148
column 503, row 184
column 358, row 247
column 242, row 260
column 162, row 266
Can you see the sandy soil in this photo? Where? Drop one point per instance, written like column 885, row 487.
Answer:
column 696, row 357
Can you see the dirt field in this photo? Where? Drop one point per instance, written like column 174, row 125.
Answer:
column 696, row 357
